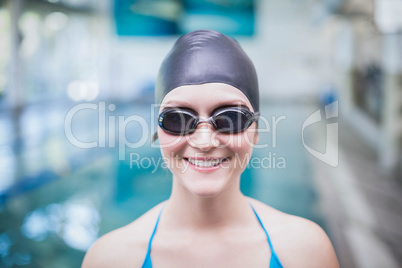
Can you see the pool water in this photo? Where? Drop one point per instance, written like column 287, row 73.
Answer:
column 56, row 198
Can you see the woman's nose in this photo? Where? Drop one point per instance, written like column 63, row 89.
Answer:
column 204, row 137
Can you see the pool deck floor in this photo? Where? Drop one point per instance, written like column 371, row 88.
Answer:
column 362, row 204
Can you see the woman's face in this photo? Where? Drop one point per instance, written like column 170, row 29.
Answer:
column 206, row 163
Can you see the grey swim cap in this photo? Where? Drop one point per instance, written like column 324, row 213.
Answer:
column 206, row 56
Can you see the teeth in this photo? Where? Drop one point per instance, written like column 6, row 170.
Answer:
column 203, row 163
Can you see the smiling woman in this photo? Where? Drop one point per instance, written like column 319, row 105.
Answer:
column 208, row 91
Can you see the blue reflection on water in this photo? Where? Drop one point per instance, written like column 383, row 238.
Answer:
column 35, row 225
column 7, row 167
column 5, row 244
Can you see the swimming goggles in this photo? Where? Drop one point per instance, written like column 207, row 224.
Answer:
column 178, row 121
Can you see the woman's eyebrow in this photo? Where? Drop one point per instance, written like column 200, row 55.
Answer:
column 218, row 106
column 223, row 103
column 176, row 104
column 168, row 107
column 233, row 103
column 228, row 106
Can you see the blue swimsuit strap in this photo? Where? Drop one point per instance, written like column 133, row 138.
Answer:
column 275, row 262
column 147, row 261
column 269, row 239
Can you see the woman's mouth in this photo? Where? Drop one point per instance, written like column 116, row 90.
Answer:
column 206, row 163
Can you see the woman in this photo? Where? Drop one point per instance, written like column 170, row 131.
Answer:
column 208, row 91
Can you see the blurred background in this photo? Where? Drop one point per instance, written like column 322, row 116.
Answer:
column 58, row 196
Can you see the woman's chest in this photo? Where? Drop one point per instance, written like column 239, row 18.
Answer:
column 207, row 251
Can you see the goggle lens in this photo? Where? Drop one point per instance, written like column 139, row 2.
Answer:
column 176, row 121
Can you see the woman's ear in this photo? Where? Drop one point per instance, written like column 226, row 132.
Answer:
column 256, row 138
column 154, row 137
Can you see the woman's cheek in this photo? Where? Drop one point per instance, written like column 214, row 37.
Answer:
column 240, row 144
column 170, row 142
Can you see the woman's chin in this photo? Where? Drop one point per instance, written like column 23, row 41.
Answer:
column 205, row 193
column 206, row 189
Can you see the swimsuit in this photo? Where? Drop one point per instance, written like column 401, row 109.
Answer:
column 274, row 262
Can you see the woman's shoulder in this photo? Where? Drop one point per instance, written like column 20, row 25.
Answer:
column 125, row 246
column 298, row 242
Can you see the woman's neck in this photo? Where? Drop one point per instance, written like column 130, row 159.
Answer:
column 186, row 210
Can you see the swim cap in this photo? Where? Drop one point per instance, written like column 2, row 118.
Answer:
column 206, row 56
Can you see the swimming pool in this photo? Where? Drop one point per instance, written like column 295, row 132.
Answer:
column 56, row 198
